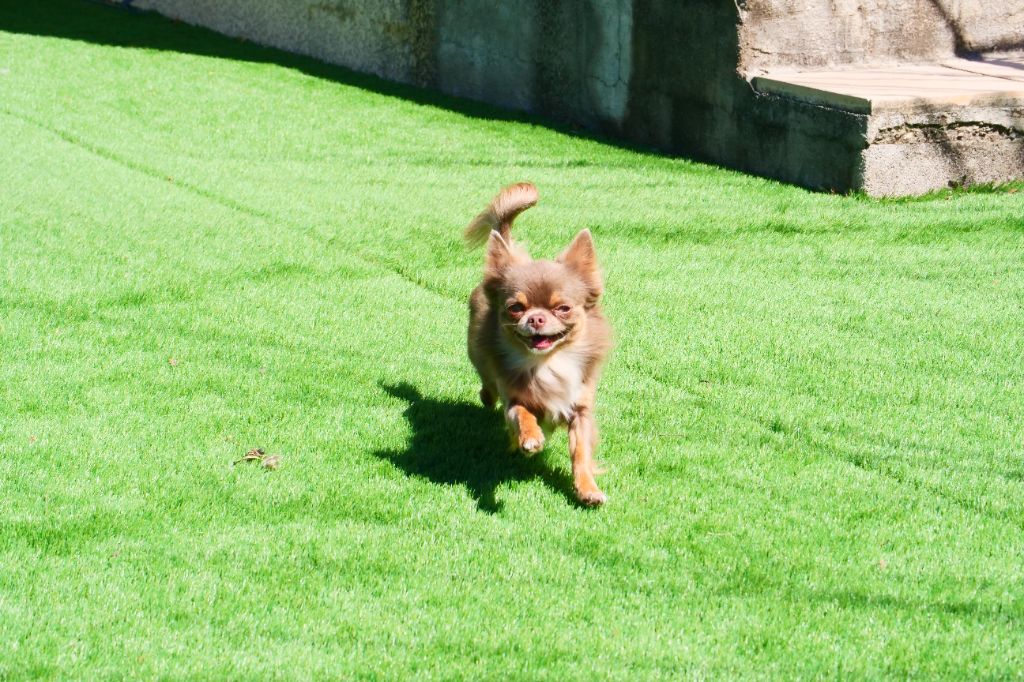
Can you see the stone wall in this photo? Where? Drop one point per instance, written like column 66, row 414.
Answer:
column 820, row 33
column 569, row 59
column 382, row 37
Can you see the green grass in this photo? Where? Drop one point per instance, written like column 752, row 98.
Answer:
column 811, row 422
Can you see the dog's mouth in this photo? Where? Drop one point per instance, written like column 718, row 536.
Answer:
column 544, row 342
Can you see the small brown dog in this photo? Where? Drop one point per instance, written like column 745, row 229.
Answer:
column 537, row 336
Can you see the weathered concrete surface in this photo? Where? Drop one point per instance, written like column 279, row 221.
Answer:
column 380, row 37
column 821, row 33
column 919, row 149
column 925, row 126
column 916, row 168
column 916, row 87
column 569, row 59
column 672, row 74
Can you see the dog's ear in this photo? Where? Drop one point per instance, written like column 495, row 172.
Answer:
column 582, row 258
column 499, row 256
column 502, row 253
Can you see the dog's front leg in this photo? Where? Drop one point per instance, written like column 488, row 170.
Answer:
column 525, row 429
column 582, row 440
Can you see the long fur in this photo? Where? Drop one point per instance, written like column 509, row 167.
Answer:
column 500, row 213
column 523, row 302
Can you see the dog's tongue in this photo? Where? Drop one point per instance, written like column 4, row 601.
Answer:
column 540, row 342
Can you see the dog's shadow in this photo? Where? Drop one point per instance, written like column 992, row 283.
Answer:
column 458, row 443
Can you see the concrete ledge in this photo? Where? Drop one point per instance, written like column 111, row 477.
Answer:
column 958, row 82
column 926, row 126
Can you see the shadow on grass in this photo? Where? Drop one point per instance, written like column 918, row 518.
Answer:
column 120, row 25
column 457, row 443
column 759, row 585
column 117, row 23
column 962, row 608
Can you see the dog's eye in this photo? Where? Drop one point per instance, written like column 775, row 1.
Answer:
column 516, row 308
column 562, row 309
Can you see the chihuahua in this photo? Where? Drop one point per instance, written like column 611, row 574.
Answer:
column 537, row 336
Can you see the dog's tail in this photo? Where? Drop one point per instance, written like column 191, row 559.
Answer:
column 500, row 213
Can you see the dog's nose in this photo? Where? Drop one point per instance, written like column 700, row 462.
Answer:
column 536, row 321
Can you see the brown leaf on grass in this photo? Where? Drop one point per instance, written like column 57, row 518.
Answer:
column 173, row 362
column 259, row 455
column 254, row 455
column 882, row 564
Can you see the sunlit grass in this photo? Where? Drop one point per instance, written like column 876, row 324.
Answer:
column 811, row 422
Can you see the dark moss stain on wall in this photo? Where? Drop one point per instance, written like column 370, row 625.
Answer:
column 423, row 17
column 339, row 10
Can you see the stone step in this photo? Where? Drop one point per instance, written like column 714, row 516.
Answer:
column 908, row 88
column 907, row 129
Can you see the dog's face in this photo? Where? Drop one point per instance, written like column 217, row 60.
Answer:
column 542, row 305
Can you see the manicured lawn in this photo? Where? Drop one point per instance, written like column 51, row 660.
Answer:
column 811, row 423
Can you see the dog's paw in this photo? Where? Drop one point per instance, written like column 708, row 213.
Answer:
column 531, row 445
column 591, row 498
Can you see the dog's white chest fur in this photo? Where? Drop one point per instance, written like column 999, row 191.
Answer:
column 558, row 383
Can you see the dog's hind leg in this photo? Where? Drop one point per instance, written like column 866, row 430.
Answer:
column 582, row 440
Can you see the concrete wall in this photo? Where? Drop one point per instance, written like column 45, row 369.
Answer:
column 382, row 37
column 667, row 73
column 570, row 59
column 817, row 33
column 662, row 72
